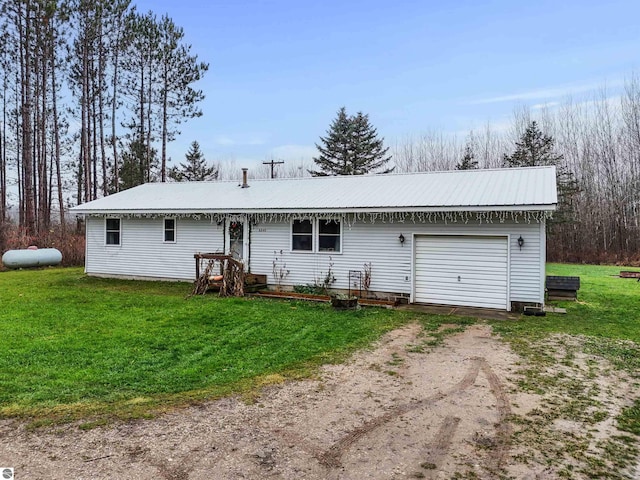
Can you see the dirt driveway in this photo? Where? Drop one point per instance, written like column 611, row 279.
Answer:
column 397, row 411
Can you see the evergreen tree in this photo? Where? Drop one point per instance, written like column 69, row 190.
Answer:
column 179, row 70
column 534, row 149
column 351, row 147
column 537, row 149
column 195, row 169
column 468, row 161
column 369, row 153
column 134, row 169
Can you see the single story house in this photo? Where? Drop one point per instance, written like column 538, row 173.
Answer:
column 469, row 238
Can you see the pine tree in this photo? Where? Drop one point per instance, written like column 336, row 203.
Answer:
column 179, row 70
column 534, row 149
column 369, row 153
column 468, row 161
column 195, row 169
column 351, row 147
column 537, row 149
column 134, row 169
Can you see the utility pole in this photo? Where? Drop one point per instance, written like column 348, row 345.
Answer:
column 273, row 163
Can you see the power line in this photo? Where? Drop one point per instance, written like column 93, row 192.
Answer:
column 273, row 163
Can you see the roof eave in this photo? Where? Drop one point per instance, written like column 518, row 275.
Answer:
column 474, row 208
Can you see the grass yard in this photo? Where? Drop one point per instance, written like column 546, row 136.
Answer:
column 607, row 306
column 78, row 346
column 607, row 314
column 75, row 346
column 607, row 310
column 88, row 349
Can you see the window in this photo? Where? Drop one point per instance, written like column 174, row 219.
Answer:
column 305, row 234
column 113, row 231
column 328, row 236
column 302, row 235
column 169, row 230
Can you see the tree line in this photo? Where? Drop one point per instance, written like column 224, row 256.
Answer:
column 89, row 92
column 594, row 144
column 92, row 92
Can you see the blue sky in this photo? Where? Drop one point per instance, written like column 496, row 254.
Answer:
column 280, row 70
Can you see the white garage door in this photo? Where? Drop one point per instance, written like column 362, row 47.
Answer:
column 461, row 270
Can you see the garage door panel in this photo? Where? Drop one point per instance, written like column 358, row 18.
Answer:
column 460, row 246
column 467, row 279
column 470, row 275
column 462, row 288
column 466, row 302
column 465, row 290
column 458, row 258
column 464, row 269
column 480, row 262
column 463, row 261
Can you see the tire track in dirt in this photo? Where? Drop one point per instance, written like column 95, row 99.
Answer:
column 441, row 443
column 504, row 430
column 331, row 458
column 440, row 411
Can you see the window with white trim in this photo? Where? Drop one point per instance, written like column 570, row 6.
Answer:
column 169, row 230
column 302, row 235
column 112, row 231
column 316, row 236
column 329, row 235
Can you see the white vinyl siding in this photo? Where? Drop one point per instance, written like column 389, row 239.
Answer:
column 143, row 252
column 461, row 270
column 391, row 261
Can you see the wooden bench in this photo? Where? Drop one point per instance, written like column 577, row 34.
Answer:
column 562, row 288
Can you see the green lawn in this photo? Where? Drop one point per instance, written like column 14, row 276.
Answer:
column 607, row 311
column 607, row 306
column 75, row 345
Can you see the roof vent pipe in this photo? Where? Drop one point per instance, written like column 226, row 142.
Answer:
column 244, row 178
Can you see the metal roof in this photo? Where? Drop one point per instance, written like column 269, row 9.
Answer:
column 507, row 189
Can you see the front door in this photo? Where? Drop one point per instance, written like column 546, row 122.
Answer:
column 237, row 240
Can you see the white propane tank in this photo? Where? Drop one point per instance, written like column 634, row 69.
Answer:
column 31, row 258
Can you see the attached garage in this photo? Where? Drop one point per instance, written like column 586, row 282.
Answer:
column 465, row 270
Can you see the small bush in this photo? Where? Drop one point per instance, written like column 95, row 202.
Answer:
column 310, row 289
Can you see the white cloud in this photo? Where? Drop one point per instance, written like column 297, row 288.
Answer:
column 541, row 106
column 548, row 93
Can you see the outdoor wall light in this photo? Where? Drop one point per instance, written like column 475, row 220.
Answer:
column 401, row 238
column 520, row 242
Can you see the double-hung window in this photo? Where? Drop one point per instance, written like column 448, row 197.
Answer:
column 302, row 236
column 112, row 231
column 316, row 236
column 169, row 230
column 328, row 236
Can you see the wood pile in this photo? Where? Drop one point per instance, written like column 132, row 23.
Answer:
column 201, row 285
column 230, row 269
column 232, row 278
